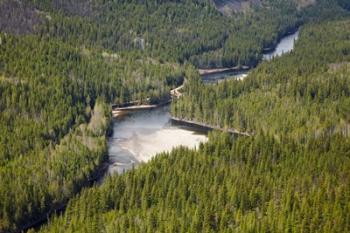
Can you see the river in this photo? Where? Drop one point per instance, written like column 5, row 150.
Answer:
column 285, row 45
column 140, row 135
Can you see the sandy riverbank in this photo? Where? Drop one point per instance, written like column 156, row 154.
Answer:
column 221, row 70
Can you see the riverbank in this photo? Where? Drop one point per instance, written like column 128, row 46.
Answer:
column 135, row 106
column 121, row 109
column 223, row 70
column 141, row 135
column 209, row 127
column 61, row 207
column 92, row 163
column 117, row 112
column 274, row 45
column 209, row 76
column 266, row 51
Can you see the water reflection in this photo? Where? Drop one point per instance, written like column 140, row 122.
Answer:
column 139, row 136
column 284, row 46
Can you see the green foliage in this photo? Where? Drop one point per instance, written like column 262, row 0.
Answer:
column 55, row 83
column 179, row 31
column 44, row 179
column 243, row 185
column 292, row 176
column 47, row 90
column 310, row 86
column 46, row 86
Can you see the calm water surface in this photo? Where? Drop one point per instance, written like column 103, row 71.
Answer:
column 285, row 46
column 140, row 135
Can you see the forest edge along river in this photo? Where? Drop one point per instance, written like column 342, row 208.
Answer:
column 285, row 45
column 140, row 134
column 147, row 130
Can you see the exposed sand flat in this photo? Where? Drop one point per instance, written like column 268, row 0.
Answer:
column 139, row 136
column 220, row 70
column 144, row 147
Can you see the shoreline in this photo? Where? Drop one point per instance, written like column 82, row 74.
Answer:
column 208, row 127
column 203, row 72
column 59, row 208
column 265, row 50
column 131, row 106
column 272, row 47
column 117, row 112
column 175, row 93
column 101, row 169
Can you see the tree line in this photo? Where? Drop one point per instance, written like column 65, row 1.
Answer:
column 294, row 179
column 256, row 184
column 49, row 92
column 179, row 31
column 54, row 81
column 310, row 86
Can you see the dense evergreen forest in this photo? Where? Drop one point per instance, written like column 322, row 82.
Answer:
column 310, row 87
column 252, row 184
column 292, row 175
column 48, row 91
column 175, row 31
column 63, row 63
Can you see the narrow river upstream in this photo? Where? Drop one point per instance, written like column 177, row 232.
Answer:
column 284, row 46
column 139, row 136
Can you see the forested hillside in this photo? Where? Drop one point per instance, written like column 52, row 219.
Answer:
column 250, row 185
column 64, row 62
column 289, row 177
column 310, row 86
column 48, row 86
column 173, row 31
column 48, row 91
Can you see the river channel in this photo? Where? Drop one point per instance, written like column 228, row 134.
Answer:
column 138, row 136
